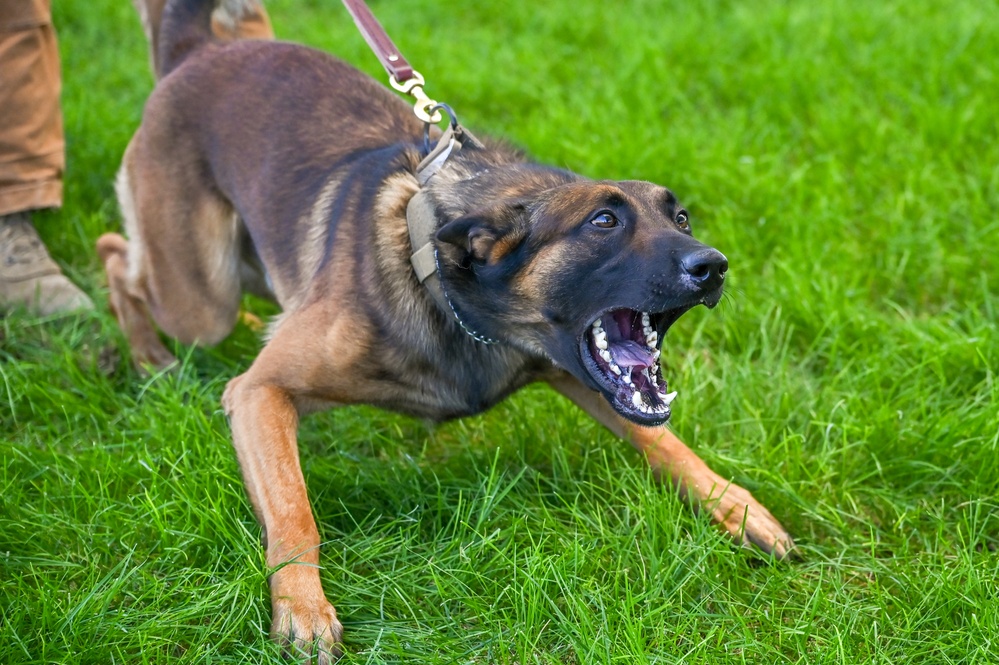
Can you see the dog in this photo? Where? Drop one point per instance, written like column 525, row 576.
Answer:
column 274, row 168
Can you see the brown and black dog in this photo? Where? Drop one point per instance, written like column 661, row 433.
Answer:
column 275, row 168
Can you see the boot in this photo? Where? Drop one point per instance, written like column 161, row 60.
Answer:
column 28, row 275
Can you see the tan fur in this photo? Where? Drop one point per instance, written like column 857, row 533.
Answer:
column 317, row 234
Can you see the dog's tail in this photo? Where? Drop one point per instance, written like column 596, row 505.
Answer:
column 177, row 28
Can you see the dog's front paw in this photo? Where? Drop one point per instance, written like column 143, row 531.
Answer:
column 308, row 630
column 748, row 522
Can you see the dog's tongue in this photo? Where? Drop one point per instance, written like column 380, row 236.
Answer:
column 631, row 354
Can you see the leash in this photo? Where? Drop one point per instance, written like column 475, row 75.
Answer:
column 421, row 217
column 402, row 76
column 407, row 80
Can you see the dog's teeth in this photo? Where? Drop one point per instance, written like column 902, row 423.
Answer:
column 652, row 339
column 600, row 338
column 636, row 399
column 597, row 324
column 655, row 356
column 615, row 368
column 668, row 399
column 646, row 325
column 605, row 355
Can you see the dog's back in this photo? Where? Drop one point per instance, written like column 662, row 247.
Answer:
column 270, row 99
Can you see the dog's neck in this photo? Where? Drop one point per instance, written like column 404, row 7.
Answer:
column 454, row 191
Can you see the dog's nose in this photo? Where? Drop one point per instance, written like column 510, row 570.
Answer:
column 706, row 266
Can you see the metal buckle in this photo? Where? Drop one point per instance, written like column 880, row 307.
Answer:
column 424, row 106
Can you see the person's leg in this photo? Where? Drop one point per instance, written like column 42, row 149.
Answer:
column 31, row 158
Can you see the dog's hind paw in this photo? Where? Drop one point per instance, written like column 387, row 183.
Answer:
column 309, row 632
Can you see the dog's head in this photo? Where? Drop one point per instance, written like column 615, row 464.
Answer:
column 589, row 274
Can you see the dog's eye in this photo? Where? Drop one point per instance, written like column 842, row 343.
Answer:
column 682, row 221
column 604, row 220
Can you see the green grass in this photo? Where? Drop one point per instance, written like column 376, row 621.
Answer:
column 843, row 154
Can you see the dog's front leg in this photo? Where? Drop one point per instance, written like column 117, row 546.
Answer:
column 735, row 509
column 264, row 423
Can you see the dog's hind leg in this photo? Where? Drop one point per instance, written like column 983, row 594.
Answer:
column 180, row 264
column 130, row 310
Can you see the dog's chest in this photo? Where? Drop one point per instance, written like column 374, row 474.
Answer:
column 460, row 383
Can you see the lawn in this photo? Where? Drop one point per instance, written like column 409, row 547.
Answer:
column 844, row 155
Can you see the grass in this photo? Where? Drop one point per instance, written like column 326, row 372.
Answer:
column 844, row 155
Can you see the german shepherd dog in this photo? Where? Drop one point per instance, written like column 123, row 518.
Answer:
column 273, row 168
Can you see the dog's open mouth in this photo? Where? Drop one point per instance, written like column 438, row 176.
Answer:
column 621, row 353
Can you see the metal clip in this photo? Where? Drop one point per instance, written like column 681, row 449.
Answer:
column 414, row 88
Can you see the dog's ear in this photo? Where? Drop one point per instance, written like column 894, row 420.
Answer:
column 488, row 234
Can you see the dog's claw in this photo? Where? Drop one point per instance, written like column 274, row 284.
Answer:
column 309, row 632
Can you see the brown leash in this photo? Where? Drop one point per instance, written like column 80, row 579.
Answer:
column 402, row 76
column 379, row 41
column 407, row 80
column 420, row 214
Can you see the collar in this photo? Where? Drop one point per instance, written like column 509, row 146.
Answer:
column 421, row 218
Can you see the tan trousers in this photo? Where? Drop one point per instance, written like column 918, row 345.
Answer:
column 32, row 150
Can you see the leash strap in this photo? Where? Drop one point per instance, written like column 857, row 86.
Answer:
column 379, row 41
column 402, row 76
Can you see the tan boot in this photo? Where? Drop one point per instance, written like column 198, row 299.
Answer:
column 28, row 275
